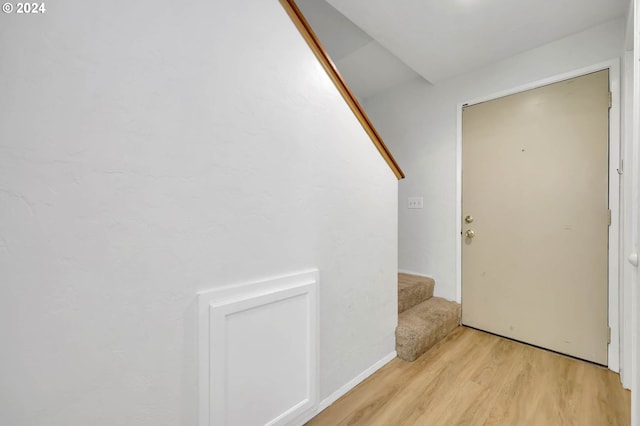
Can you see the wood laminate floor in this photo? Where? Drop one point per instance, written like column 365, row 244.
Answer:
column 476, row 378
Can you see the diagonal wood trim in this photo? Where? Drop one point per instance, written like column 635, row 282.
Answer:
column 305, row 29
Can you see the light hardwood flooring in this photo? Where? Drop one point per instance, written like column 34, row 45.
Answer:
column 475, row 378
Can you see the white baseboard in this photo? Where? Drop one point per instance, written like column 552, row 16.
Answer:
column 344, row 389
column 356, row 381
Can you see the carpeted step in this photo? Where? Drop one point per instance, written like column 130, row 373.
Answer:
column 413, row 289
column 422, row 326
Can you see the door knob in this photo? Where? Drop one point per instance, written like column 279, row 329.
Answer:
column 470, row 234
column 468, row 219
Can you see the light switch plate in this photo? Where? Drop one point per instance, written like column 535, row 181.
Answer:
column 416, row 202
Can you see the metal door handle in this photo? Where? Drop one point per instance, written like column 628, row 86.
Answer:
column 468, row 219
column 470, row 234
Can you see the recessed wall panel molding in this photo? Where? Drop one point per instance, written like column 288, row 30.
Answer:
column 258, row 346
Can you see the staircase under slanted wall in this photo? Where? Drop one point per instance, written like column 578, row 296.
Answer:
column 423, row 320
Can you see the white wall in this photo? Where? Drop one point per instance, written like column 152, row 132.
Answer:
column 418, row 123
column 150, row 150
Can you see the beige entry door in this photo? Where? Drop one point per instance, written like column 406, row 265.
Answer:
column 535, row 216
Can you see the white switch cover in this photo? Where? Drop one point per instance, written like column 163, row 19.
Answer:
column 416, row 202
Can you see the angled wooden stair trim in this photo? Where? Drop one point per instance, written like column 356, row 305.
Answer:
column 314, row 43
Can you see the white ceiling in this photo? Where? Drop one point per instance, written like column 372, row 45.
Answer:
column 338, row 35
column 366, row 66
column 373, row 69
column 444, row 38
column 377, row 44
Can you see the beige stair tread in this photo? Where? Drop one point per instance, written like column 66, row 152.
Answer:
column 424, row 325
column 412, row 290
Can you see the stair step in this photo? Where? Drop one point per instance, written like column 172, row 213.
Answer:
column 413, row 289
column 424, row 325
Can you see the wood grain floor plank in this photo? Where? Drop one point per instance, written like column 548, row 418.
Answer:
column 475, row 378
column 431, row 388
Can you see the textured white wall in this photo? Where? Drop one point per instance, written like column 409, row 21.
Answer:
column 150, row 150
column 418, row 123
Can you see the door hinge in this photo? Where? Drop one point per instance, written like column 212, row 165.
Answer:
column 609, row 210
column 610, row 99
column 609, row 336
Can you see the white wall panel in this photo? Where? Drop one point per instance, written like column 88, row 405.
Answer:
column 258, row 351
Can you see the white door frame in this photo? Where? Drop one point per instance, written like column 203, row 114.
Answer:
column 634, row 232
column 614, row 189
